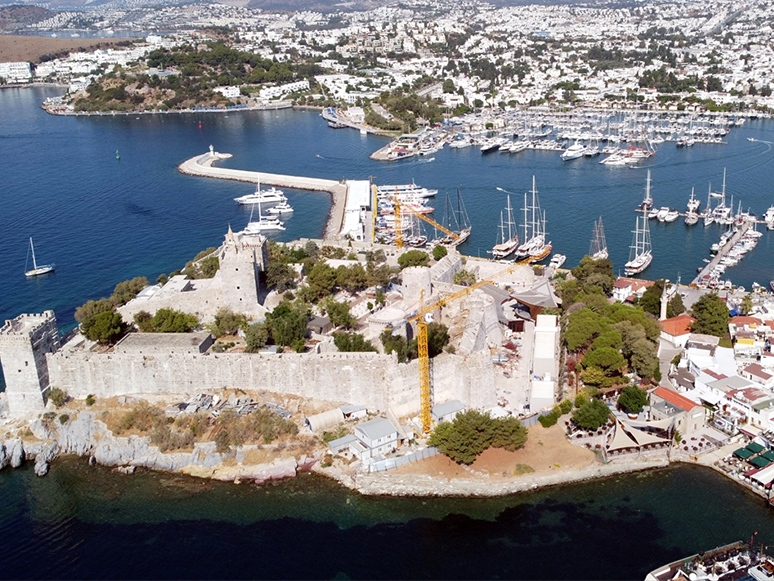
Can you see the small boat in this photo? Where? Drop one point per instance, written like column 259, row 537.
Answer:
column 557, row 260
column 691, row 218
column 771, row 285
column 662, row 213
column 117, row 156
column 693, row 203
column 671, row 216
column 37, row 270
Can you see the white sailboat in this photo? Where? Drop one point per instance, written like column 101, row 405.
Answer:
column 506, row 245
column 598, row 250
column 264, row 224
column 535, row 247
column 640, row 255
column 37, row 270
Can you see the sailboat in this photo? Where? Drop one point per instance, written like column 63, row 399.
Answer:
column 708, row 217
column 454, row 220
column 640, row 255
column 37, row 270
column 264, row 223
column 507, row 245
column 534, row 246
column 598, row 250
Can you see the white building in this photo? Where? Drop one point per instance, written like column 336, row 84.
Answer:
column 375, row 438
column 286, row 89
column 230, row 92
column 19, row 72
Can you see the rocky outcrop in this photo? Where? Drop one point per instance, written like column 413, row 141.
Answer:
column 86, row 436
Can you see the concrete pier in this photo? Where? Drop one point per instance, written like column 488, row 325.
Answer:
column 201, row 166
column 723, row 251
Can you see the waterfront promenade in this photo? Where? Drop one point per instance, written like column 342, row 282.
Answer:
column 722, row 252
column 202, row 166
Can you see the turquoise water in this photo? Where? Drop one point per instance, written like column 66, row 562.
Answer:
column 82, row 522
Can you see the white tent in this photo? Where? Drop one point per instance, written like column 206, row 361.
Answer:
column 325, row 420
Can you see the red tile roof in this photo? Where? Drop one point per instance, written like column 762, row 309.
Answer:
column 740, row 321
column 675, row 398
column 714, row 374
column 677, row 326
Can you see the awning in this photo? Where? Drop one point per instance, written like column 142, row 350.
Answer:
column 621, row 440
column 769, row 455
column 743, row 453
column 755, row 447
column 759, row 461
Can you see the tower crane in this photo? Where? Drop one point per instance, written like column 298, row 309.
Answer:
column 423, row 317
column 399, row 225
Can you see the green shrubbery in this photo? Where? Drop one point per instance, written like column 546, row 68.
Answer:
column 352, row 342
column 548, row 420
column 591, row 414
column 57, row 396
column 472, row 432
column 166, row 321
column 235, row 430
column 632, row 399
column 227, row 322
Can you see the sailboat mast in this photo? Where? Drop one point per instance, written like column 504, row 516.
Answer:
column 510, row 219
column 32, row 247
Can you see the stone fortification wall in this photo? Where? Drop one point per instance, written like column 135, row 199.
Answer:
column 373, row 380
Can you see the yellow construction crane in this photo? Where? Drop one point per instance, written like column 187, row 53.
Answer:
column 399, row 224
column 422, row 319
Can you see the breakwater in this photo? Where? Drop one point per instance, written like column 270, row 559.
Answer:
column 202, row 166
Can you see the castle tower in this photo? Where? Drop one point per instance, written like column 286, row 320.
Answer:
column 241, row 261
column 24, row 342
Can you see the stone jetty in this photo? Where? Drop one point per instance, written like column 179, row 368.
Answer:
column 202, row 166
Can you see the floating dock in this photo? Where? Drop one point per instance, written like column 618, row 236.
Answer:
column 723, row 251
column 201, row 166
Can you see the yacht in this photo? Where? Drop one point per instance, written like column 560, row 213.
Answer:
column 535, row 247
column 671, row 216
column 557, row 260
column 575, row 151
column 264, row 224
column 268, row 197
column 768, row 217
column 281, row 208
column 37, row 270
column 691, row 218
column 662, row 213
column 693, row 204
column 401, row 189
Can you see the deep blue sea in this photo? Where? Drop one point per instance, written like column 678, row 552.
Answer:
column 103, row 220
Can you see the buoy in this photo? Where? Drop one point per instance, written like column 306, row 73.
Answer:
column 200, row 124
column 117, row 156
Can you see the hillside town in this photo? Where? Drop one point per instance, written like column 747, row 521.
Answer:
column 465, row 55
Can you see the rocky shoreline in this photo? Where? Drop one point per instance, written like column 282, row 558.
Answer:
column 87, row 437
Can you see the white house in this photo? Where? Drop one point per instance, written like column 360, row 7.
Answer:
column 17, row 72
column 374, row 438
column 230, row 92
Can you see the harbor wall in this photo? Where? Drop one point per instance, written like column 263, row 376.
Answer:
column 370, row 379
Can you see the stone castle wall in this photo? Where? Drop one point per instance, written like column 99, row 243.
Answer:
column 373, row 380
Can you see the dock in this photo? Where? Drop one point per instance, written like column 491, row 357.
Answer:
column 723, row 251
column 202, row 166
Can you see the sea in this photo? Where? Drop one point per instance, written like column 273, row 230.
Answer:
column 103, row 200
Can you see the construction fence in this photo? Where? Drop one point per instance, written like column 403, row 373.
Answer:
column 391, row 463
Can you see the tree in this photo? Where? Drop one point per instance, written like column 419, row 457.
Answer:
column 227, row 322
column 632, row 399
column 747, row 304
column 91, row 309
column 595, row 273
column 583, row 326
column 106, row 328
column 339, row 313
column 711, row 314
column 287, row 324
column 610, row 338
column 413, row 258
column 321, row 280
column 448, row 86
column 464, row 277
column 437, row 338
column 125, row 291
column 675, row 306
column 651, row 298
column 395, row 343
column 172, row 321
column 590, row 415
column 607, row 359
column 256, row 337
column 439, row 252
column 351, row 278
column 144, row 321
column 352, row 342
column 643, row 358
column 280, row 275
column 472, row 432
